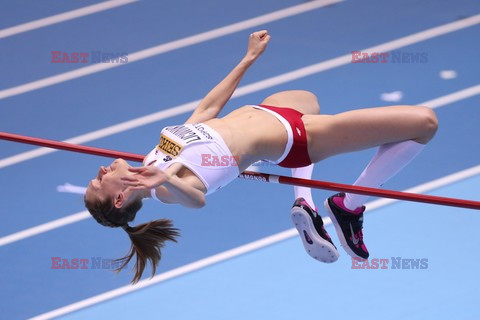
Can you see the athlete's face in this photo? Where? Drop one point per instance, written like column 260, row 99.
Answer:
column 108, row 183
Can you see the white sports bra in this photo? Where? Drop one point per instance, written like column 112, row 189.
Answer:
column 199, row 148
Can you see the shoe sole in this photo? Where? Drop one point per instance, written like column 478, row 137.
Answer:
column 320, row 249
column 339, row 231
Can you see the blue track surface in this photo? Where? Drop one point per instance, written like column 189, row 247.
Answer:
column 280, row 282
column 276, row 282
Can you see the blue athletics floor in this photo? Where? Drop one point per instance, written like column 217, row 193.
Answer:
column 237, row 257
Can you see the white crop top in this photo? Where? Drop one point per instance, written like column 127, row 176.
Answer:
column 199, row 148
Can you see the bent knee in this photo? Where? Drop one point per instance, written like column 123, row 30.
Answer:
column 429, row 124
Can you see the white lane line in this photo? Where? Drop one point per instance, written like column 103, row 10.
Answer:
column 30, row 232
column 194, row 266
column 170, row 46
column 61, row 17
column 256, row 86
column 347, row 58
column 170, row 274
column 434, row 103
column 456, row 96
column 435, row 184
column 157, row 116
column 105, row 132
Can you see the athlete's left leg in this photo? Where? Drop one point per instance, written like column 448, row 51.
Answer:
column 401, row 132
column 300, row 100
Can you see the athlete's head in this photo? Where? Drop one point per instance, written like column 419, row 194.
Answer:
column 113, row 204
column 108, row 184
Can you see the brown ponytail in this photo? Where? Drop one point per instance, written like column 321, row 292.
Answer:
column 147, row 240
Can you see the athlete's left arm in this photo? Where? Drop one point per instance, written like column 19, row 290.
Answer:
column 216, row 99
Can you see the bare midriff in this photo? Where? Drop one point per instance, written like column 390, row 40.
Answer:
column 251, row 134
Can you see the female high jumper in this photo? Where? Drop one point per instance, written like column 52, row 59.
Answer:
column 193, row 160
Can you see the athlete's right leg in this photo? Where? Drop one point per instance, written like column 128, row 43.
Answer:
column 305, row 217
column 306, row 103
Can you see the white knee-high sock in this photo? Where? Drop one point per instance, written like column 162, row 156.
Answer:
column 387, row 162
column 303, row 192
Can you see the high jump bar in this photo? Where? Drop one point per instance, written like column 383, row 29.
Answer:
column 249, row 175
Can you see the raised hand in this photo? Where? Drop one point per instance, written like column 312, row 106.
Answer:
column 257, row 43
column 145, row 178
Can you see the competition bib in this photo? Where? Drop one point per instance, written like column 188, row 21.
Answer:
column 168, row 146
column 174, row 139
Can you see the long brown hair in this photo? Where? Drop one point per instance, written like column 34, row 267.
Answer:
column 147, row 238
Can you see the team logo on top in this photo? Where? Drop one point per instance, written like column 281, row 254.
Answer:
column 169, row 146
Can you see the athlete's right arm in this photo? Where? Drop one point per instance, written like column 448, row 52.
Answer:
column 169, row 188
column 216, row 99
column 174, row 190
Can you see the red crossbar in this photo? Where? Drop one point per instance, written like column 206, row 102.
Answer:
column 71, row 147
column 257, row 175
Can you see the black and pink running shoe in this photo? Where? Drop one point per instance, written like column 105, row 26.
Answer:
column 310, row 227
column 348, row 226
